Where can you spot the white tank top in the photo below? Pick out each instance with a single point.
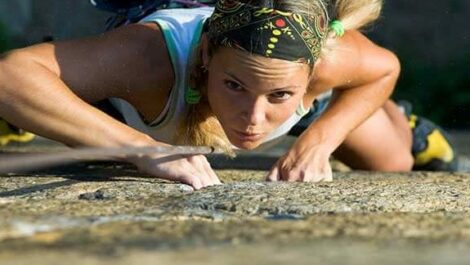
(182, 29)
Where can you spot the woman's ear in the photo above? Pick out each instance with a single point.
(205, 50)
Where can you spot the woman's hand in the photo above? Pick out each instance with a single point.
(193, 170)
(303, 163)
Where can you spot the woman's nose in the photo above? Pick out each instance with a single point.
(255, 113)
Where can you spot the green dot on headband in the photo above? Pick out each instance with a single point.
(337, 27)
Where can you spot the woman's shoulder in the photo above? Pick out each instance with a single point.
(130, 62)
(130, 58)
(146, 75)
(351, 60)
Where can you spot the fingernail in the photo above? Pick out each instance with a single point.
(272, 179)
(187, 188)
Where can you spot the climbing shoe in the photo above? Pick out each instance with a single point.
(432, 150)
(10, 133)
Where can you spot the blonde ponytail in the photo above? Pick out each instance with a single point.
(353, 15)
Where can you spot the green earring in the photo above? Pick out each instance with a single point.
(192, 96)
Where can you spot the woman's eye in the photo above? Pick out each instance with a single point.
(282, 95)
(233, 86)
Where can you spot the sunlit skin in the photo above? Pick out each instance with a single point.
(247, 93)
(253, 95)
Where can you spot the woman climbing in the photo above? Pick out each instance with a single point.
(238, 75)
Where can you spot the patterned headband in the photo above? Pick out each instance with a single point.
(269, 32)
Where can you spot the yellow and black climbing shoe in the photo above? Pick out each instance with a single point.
(10, 133)
(432, 150)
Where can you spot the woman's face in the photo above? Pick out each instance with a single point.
(253, 95)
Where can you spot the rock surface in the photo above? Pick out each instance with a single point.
(107, 213)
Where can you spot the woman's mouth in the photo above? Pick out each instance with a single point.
(244, 136)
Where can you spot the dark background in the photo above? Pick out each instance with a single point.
(431, 39)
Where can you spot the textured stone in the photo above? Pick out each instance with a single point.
(107, 213)
(108, 210)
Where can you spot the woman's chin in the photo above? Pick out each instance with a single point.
(243, 141)
(246, 145)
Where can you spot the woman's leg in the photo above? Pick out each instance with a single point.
(383, 142)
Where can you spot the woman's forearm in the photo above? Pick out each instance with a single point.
(348, 109)
(36, 99)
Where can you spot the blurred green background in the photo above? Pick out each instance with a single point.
(5, 42)
(431, 39)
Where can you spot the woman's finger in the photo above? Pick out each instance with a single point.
(328, 175)
(210, 171)
(324, 174)
(193, 181)
(273, 175)
(197, 164)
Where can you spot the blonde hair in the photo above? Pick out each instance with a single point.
(356, 14)
(201, 127)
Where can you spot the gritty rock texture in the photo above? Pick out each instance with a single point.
(107, 213)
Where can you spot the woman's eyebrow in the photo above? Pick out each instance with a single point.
(234, 77)
(285, 88)
(274, 90)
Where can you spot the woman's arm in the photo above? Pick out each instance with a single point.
(363, 76)
(46, 88)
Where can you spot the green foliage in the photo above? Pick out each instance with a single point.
(438, 92)
(5, 43)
